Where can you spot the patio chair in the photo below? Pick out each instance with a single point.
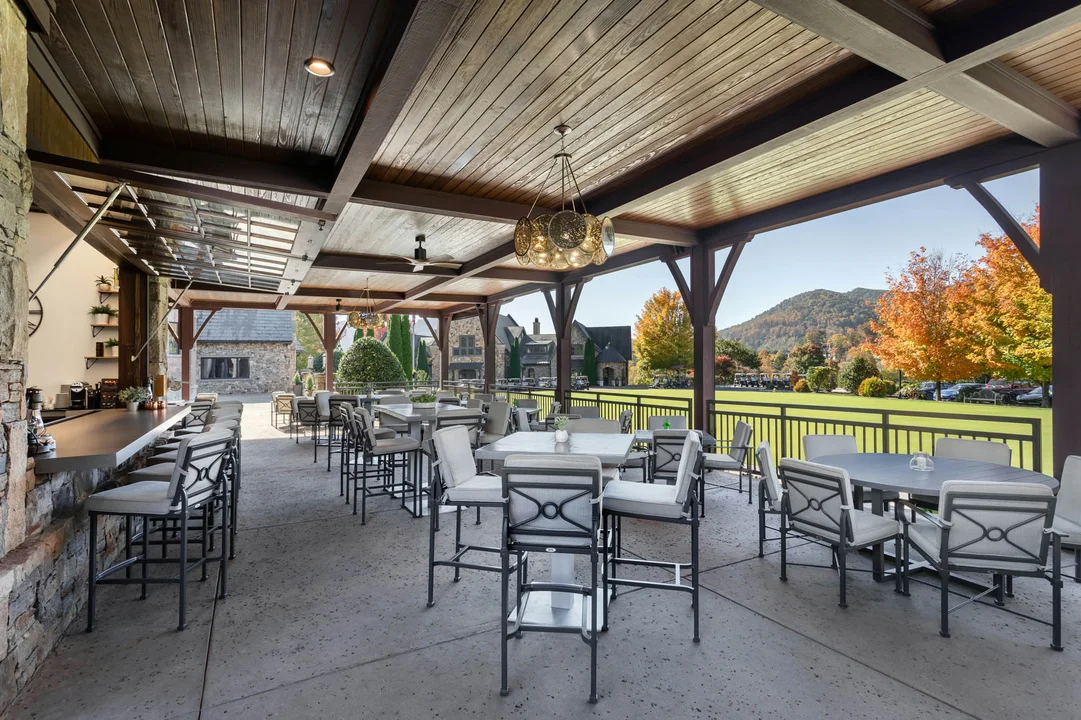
(352, 446)
(457, 483)
(815, 446)
(588, 412)
(593, 425)
(675, 422)
(390, 455)
(496, 423)
(817, 503)
(402, 428)
(546, 423)
(195, 483)
(1001, 528)
(281, 407)
(306, 415)
(474, 404)
(484, 397)
(521, 420)
(528, 403)
(335, 424)
(1068, 510)
(552, 505)
(736, 459)
(639, 456)
(661, 503)
(769, 493)
(987, 451)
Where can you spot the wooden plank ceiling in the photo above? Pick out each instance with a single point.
(687, 116)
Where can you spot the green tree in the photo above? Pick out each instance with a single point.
(422, 360)
(822, 379)
(589, 361)
(804, 357)
(370, 361)
(663, 336)
(370, 333)
(856, 370)
(319, 365)
(815, 337)
(739, 353)
(393, 338)
(514, 363)
(405, 345)
(308, 340)
(724, 369)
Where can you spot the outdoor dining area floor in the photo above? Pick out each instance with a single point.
(327, 619)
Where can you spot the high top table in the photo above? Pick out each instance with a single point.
(556, 608)
(889, 472)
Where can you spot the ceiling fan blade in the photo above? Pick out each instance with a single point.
(442, 258)
(418, 266)
(445, 264)
(399, 259)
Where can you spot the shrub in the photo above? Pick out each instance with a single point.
(891, 386)
(319, 365)
(873, 387)
(309, 384)
(370, 361)
(801, 386)
(822, 379)
(296, 378)
(856, 370)
(910, 391)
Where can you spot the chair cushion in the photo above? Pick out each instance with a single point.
(487, 438)
(165, 457)
(609, 474)
(648, 499)
(395, 445)
(928, 537)
(721, 461)
(162, 471)
(141, 498)
(636, 458)
(385, 433)
(867, 529)
(479, 488)
(1070, 530)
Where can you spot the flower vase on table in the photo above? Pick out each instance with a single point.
(562, 435)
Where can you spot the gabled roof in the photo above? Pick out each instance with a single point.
(616, 337)
(610, 355)
(237, 325)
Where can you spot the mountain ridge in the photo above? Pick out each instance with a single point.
(785, 324)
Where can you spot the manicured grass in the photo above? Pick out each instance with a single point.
(819, 405)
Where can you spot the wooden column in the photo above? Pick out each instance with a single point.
(441, 335)
(1060, 241)
(330, 341)
(562, 308)
(489, 319)
(186, 340)
(702, 296)
(132, 332)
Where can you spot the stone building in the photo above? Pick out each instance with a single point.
(243, 351)
(538, 350)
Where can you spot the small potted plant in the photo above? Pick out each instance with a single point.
(105, 284)
(562, 435)
(99, 314)
(309, 385)
(424, 401)
(298, 388)
(112, 347)
(111, 315)
(132, 396)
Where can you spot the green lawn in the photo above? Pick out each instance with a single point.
(819, 405)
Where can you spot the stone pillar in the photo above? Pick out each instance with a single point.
(157, 351)
(133, 367)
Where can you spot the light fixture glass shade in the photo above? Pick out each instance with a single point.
(567, 229)
(608, 236)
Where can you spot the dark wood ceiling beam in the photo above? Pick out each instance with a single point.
(900, 39)
(839, 94)
(985, 161)
(357, 294)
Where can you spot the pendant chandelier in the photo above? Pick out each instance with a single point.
(568, 238)
(366, 317)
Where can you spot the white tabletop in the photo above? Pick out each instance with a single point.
(611, 448)
(646, 437)
(413, 414)
(890, 472)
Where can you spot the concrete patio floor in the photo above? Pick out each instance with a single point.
(326, 618)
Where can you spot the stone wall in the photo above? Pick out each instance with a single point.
(471, 326)
(271, 367)
(157, 350)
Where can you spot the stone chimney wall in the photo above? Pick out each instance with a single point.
(536, 326)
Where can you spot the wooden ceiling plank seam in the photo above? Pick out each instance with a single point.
(253, 33)
(446, 72)
(596, 84)
(155, 45)
(589, 20)
(68, 66)
(328, 38)
(705, 57)
(350, 65)
(642, 18)
(498, 36)
(307, 17)
(279, 39)
(202, 34)
(535, 29)
(229, 45)
(174, 22)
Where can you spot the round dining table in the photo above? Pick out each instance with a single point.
(882, 473)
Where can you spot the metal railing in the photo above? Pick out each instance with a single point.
(612, 404)
(354, 388)
(883, 431)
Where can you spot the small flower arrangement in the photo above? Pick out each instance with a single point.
(424, 399)
(561, 422)
(105, 284)
(133, 394)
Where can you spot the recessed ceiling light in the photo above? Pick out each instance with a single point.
(319, 67)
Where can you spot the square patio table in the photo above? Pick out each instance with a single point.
(645, 437)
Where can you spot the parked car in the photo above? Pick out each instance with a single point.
(579, 382)
(1035, 397)
(953, 392)
(926, 389)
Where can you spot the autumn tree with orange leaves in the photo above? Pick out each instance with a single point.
(918, 326)
(663, 335)
(1009, 321)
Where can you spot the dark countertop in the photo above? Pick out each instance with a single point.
(104, 438)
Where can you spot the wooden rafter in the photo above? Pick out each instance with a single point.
(1021, 239)
(202, 326)
(315, 327)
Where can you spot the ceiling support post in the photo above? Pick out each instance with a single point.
(186, 341)
(330, 340)
(562, 308)
(489, 320)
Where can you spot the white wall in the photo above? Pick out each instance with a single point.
(58, 347)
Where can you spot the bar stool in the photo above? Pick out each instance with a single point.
(352, 447)
(390, 454)
(196, 482)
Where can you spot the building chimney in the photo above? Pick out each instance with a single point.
(536, 326)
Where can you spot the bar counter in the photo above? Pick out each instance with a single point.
(104, 439)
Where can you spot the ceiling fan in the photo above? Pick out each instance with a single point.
(420, 259)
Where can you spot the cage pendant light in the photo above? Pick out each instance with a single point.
(568, 238)
(366, 317)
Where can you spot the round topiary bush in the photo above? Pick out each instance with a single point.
(856, 370)
(801, 386)
(873, 387)
(370, 361)
(822, 379)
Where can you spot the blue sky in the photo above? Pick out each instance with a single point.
(840, 252)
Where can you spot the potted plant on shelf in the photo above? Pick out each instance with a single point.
(562, 435)
(105, 284)
(112, 347)
(424, 401)
(111, 314)
(99, 314)
(132, 396)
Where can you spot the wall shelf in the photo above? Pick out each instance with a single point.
(91, 359)
(103, 296)
(96, 328)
